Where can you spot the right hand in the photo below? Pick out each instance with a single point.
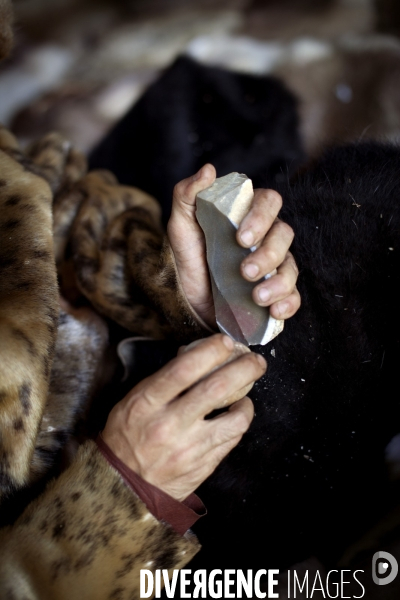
(158, 430)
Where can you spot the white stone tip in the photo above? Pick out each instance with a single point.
(232, 194)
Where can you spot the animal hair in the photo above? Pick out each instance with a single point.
(309, 475)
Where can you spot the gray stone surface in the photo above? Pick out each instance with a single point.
(220, 209)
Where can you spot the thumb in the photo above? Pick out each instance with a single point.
(184, 196)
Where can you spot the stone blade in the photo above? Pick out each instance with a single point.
(220, 208)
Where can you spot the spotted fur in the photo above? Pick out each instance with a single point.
(36, 420)
(108, 245)
(109, 217)
(88, 526)
(51, 158)
(87, 536)
(28, 311)
(153, 268)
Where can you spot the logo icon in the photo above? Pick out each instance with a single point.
(384, 568)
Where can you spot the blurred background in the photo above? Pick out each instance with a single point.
(78, 65)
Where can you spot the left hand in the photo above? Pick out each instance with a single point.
(260, 228)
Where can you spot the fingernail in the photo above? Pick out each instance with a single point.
(247, 237)
(264, 294)
(262, 361)
(198, 175)
(251, 270)
(282, 308)
(228, 342)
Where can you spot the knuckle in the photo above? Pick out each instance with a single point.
(250, 367)
(290, 259)
(286, 230)
(179, 190)
(286, 286)
(293, 304)
(181, 369)
(297, 299)
(271, 257)
(274, 199)
(240, 422)
(218, 347)
(259, 366)
(216, 386)
(216, 340)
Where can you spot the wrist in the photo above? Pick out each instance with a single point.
(181, 516)
(120, 447)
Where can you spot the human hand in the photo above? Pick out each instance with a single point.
(260, 228)
(158, 430)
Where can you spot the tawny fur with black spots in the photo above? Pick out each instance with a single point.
(28, 311)
(107, 249)
(36, 420)
(110, 247)
(87, 536)
(87, 527)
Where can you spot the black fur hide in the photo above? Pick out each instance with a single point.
(195, 114)
(309, 477)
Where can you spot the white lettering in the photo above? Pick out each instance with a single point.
(158, 584)
(228, 583)
(243, 585)
(184, 583)
(343, 583)
(317, 589)
(215, 591)
(336, 585)
(359, 583)
(305, 583)
(200, 579)
(150, 583)
(257, 578)
(170, 587)
(272, 583)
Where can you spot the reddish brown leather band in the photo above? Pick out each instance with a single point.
(179, 515)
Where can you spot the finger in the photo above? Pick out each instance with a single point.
(286, 308)
(230, 425)
(239, 350)
(185, 234)
(217, 437)
(212, 459)
(215, 390)
(264, 210)
(185, 370)
(271, 253)
(279, 286)
(184, 195)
